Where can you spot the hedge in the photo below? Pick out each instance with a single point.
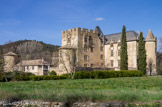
(33, 78)
(107, 74)
(78, 75)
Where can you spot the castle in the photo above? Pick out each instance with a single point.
(85, 48)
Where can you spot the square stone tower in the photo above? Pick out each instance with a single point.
(89, 45)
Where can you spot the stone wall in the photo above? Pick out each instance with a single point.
(29, 103)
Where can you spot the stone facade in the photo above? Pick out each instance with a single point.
(9, 61)
(30, 103)
(89, 46)
(95, 50)
(83, 48)
(151, 46)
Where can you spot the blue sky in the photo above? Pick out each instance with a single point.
(43, 20)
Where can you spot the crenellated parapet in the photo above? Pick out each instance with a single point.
(79, 30)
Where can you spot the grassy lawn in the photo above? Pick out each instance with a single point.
(113, 89)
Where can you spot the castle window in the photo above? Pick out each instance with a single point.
(68, 41)
(85, 65)
(91, 49)
(102, 64)
(85, 39)
(101, 56)
(119, 52)
(112, 53)
(85, 57)
(101, 41)
(118, 63)
(101, 48)
(90, 41)
(85, 48)
(112, 63)
(111, 44)
(91, 65)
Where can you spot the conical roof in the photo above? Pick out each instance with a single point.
(150, 36)
(10, 54)
(98, 30)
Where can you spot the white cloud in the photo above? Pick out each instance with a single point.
(99, 18)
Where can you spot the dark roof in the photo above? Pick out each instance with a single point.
(98, 30)
(131, 36)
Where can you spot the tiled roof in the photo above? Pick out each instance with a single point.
(131, 36)
(33, 62)
(10, 54)
(98, 30)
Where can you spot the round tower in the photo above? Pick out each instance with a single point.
(67, 59)
(9, 61)
(151, 46)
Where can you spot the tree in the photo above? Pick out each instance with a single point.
(160, 44)
(141, 54)
(68, 60)
(29, 49)
(159, 57)
(123, 55)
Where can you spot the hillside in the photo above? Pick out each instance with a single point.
(13, 46)
(29, 49)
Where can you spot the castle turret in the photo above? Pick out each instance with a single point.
(150, 45)
(9, 61)
(67, 61)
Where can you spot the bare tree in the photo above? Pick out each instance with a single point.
(68, 60)
(8, 42)
(160, 44)
(28, 49)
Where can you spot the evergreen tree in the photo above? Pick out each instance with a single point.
(123, 55)
(141, 54)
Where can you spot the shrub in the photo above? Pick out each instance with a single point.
(78, 75)
(107, 74)
(52, 73)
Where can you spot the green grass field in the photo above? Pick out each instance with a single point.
(130, 89)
